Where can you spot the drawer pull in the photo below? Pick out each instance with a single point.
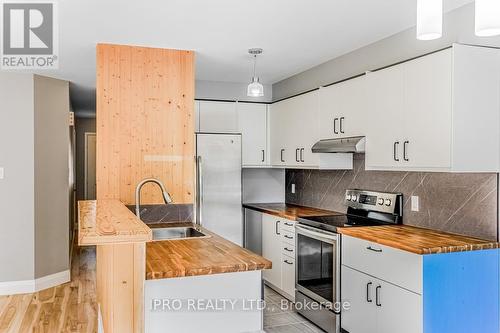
(287, 249)
(368, 299)
(289, 224)
(290, 237)
(377, 296)
(373, 249)
(277, 228)
(288, 262)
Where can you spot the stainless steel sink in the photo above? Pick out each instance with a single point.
(176, 233)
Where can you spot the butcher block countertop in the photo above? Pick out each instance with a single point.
(109, 222)
(198, 256)
(418, 240)
(287, 211)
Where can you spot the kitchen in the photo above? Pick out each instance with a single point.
(353, 192)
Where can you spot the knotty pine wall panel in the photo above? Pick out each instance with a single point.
(145, 122)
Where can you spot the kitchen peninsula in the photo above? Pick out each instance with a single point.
(208, 268)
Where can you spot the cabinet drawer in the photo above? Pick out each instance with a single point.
(288, 237)
(288, 249)
(287, 225)
(401, 268)
(288, 275)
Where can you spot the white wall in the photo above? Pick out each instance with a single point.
(263, 185)
(17, 188)
(234, 91)
(458, 26)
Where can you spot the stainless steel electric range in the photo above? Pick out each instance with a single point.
(317, 272)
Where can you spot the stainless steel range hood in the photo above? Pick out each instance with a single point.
(354, 144)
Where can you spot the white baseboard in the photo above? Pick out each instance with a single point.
(31, 286)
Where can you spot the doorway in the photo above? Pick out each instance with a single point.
(90, 166)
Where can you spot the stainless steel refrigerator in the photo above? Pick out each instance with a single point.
(218, 186)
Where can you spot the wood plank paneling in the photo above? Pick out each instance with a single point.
(145, 122)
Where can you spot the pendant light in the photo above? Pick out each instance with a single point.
(255, 88)
(430, 19)
(487, 18)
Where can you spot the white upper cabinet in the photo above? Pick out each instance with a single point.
(343, 109)
(439, 112)
(217, 117)
(252, 123)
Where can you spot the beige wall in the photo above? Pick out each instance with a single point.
(17, 188)
(51, 175)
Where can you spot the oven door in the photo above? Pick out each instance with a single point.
(317, 268)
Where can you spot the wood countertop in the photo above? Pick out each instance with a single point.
(109, 221)
(418, 240)
(287, 211)
(198, 256)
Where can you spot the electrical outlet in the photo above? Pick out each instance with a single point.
(414, 203)
(1, 173)
(293, 188)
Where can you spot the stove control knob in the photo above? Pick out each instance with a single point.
(348, 197)
(354, 197)
(388, 202)
(381, 201)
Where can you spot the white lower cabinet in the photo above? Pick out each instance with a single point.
(278, 246)
(377, 306)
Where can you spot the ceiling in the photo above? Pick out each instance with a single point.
(295, 35)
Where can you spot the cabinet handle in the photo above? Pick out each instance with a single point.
(405, 150)
(289, 224)
(263, 155)
(396, 144)
(281, 155)
(297, 155)
(302, 154)
(335, 125)
(374, 250)
(377, 296)
(342, 124)
(277, 228)
(368, 299)
(287, 249)
(289, 237)
(287, 262)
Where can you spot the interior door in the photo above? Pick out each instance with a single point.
(271, 249)
(359, 290)
(219, 178)
(386, 95)
(90, 166)
(252, 123)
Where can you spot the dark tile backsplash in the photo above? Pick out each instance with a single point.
(464, 203)
(165, 213)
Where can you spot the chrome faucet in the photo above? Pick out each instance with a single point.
(166, 196)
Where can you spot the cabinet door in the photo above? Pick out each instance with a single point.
(271, 249)
(252, 123)
(218, 117)
(384, 143)
(282, 151)
(305, 129)
(288, 275)
(359, 290)
(398, 309)
(196, 116)
(343, 109)
(427, 112)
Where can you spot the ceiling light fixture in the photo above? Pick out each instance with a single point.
(487, 18)
(430, 19)
(255, 88)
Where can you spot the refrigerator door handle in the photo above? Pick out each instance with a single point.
(199, 167)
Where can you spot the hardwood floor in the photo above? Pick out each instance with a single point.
(70, 307)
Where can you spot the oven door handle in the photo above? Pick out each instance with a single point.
(313, 232)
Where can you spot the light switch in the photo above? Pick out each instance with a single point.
(1, 173)
(293, 188)
(414, 203)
